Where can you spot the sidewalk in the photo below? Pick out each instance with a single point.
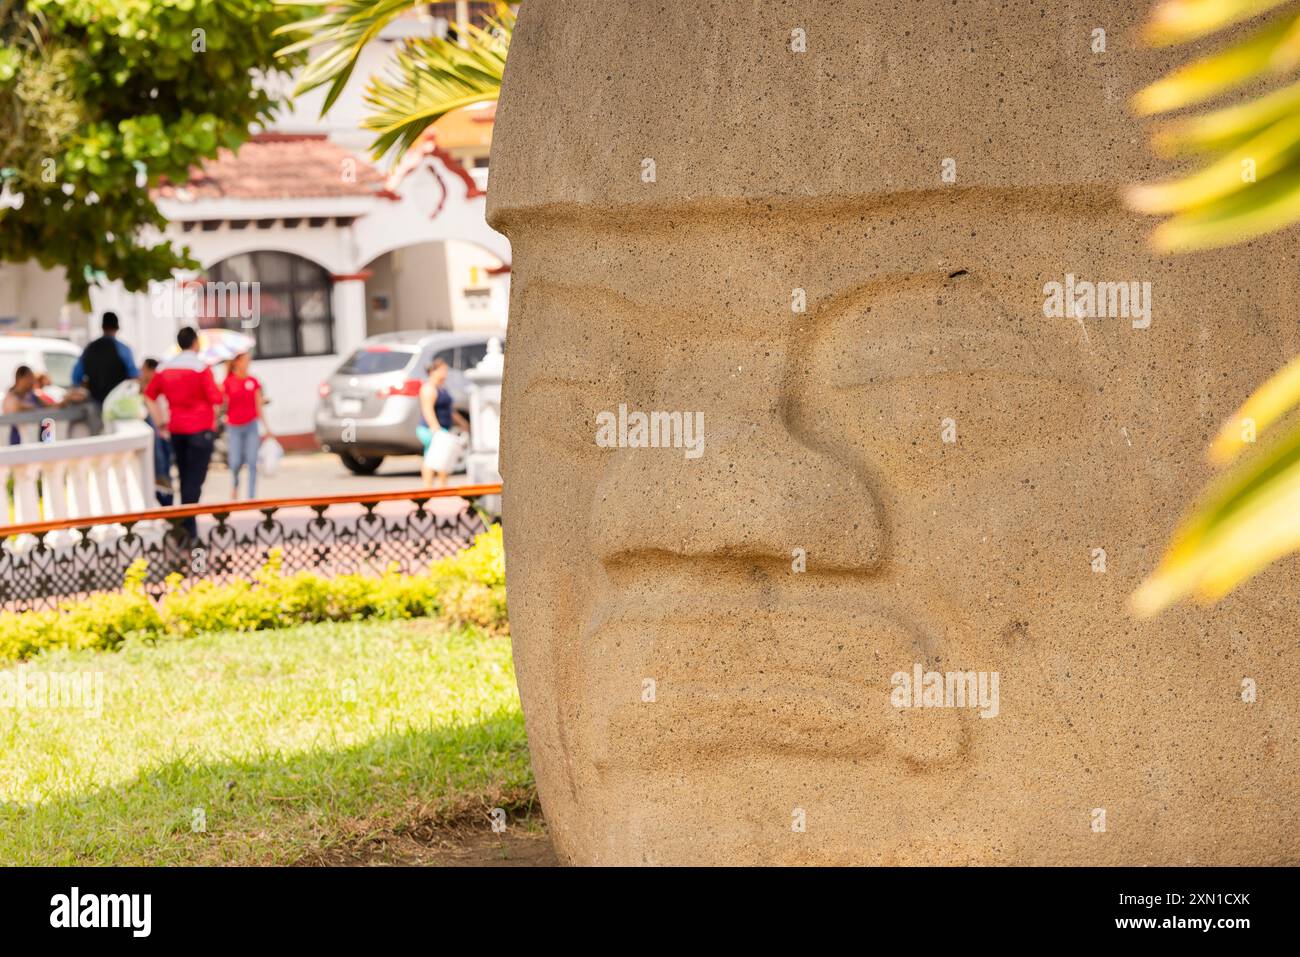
(317, 473)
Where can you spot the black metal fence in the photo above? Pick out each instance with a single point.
(43, 566)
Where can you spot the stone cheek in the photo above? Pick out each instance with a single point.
(908, 464)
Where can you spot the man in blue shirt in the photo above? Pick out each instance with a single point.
(105, 363)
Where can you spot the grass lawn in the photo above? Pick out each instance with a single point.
(292, 742)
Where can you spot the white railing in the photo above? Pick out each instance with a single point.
(79, 478)
(63, 422)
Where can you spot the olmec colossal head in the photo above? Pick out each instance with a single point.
(849, 263)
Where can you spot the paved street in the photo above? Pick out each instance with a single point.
(316, 473)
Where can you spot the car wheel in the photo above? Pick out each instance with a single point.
(361, 464)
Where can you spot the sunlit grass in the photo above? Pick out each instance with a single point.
(289, 741)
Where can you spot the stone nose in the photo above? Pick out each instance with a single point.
(755, 490)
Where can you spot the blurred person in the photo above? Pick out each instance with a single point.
(436, 411)
(147, 369)
(43, 388)
(192, 397)
(22, 397)
(104, 363)
(244, 403)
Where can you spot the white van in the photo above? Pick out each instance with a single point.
(55, 357)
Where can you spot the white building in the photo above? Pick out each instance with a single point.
(337, 254)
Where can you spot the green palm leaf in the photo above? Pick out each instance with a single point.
(1250, 518)
(1226, 128)
(1269, 152)
(1263, 208)
(343, 29)
(430, 77)
(433, 77)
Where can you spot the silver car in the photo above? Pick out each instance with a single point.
(370, 406)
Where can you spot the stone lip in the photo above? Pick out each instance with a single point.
(1011, 91)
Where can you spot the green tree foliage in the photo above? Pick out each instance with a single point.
(99, 100)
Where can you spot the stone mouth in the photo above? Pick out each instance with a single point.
(683, 671)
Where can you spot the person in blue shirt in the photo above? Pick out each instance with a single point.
(105, 363)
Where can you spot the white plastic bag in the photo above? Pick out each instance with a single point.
(268, 456)
(444, 451)
(124, 402)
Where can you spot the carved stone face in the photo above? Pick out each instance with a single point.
(919, 472)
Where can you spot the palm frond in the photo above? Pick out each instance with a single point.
(1270, 402)
(1181, 21)
(432, 77)
(1226, 128)
(1249, 519)
(343, 29)
(1271, 151)
(1249, 186)
(1218, 73)
(1270, 205)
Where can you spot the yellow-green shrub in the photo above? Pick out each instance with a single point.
(468, 588)
(474, 583)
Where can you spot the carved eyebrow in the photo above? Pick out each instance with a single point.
(1051, 355)
(970, 351)
(845, 300)
(556, 367)
(584, 297)
(550, 382)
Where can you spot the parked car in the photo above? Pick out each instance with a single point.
(375, 393)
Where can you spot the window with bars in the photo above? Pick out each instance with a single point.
(294, 301)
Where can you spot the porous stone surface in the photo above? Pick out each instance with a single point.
(921, 470)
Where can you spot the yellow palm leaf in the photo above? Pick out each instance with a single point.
(1215, 74)
(1274, 399)
(1245, 521)
(1267, 153)
(1180, 21)
(1226, 128)
(1267, 206)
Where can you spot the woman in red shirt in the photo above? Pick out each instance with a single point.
(243, 413)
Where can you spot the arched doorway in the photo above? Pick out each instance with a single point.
(441, 284)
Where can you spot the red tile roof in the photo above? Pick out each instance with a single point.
(279, 166)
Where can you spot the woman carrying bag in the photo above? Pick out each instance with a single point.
(437, 417)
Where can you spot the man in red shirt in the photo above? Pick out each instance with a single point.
(192, 397)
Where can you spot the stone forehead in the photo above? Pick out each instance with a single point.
(1012, 92)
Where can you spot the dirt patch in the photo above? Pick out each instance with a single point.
(518, 846)
(460, 838)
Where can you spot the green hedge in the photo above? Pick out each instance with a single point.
(468, 588)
